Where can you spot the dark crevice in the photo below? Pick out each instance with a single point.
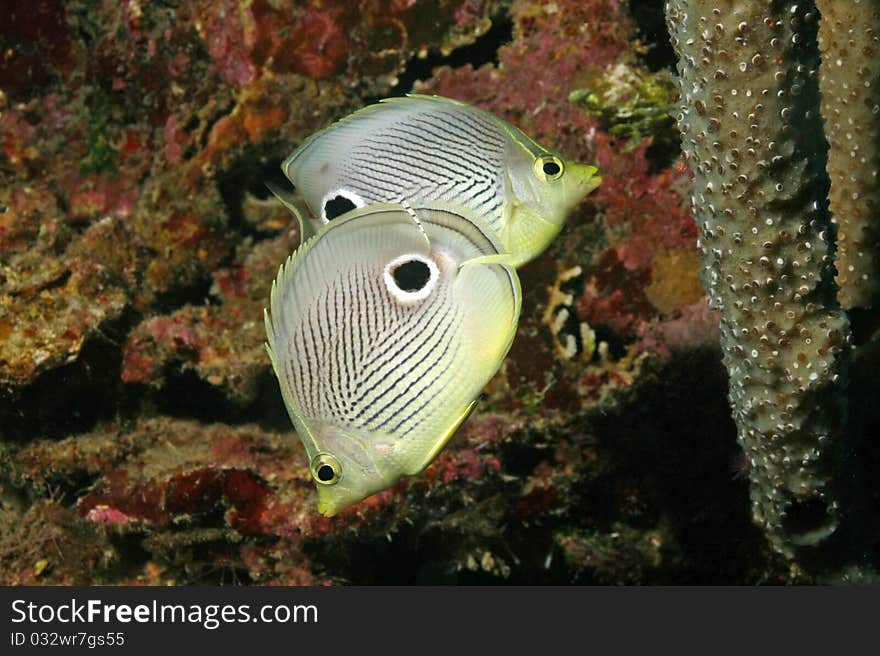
(482, 51)
(864, 324)
(269, 172)
(521, 459)
(71, 398)
(616, 343)
(197, 293)
(652, 33)
(249, 175)
(663, 151)
(806, 517)
(187, 396)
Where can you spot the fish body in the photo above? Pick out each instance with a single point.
(433, 149)
(384, 328)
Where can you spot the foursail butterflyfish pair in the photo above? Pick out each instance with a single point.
(403, 299)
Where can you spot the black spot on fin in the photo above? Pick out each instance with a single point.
(412, 276)
(337, 206)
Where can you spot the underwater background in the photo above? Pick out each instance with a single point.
(144, 439)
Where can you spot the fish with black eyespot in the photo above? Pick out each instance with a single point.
(438, 150)
(383, 330)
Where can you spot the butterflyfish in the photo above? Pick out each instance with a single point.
(382, 330)
(433, 149)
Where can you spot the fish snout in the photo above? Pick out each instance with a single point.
(358, 468)
(585, 175)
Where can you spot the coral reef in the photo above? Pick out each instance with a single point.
(849, 41)
(221, 343)
(50, 545)
(142, 435)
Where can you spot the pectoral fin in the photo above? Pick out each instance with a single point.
(506, 259)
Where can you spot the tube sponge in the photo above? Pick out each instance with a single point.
(752, 136)
(849, 40)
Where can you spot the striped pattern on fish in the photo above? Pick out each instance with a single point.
(382, 333)
(428, 149)
(430, 157)
(366, 361)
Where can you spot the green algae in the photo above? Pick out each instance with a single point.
(630, 104)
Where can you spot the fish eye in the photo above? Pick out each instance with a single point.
(549, 167)
(325, 469)
(411, 277)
